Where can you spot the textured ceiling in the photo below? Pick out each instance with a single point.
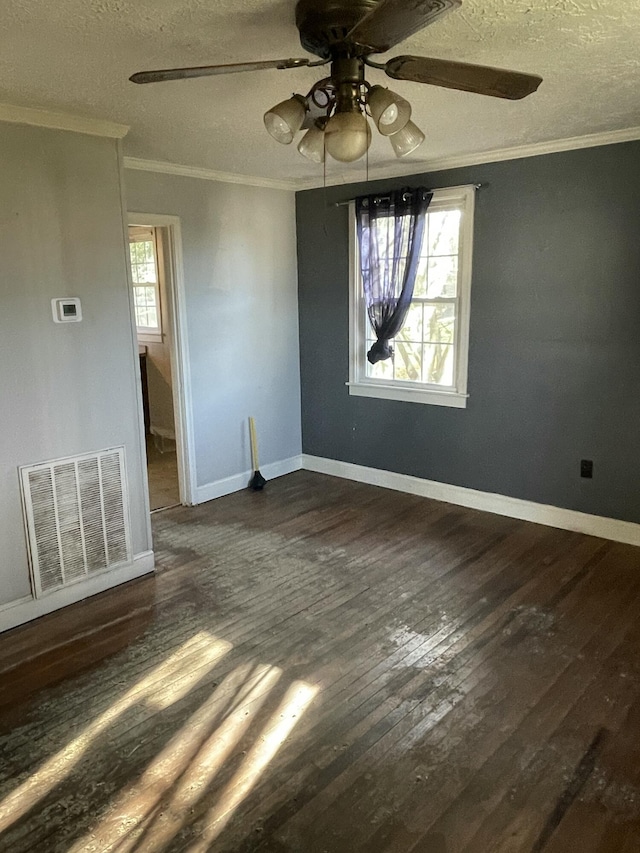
(76, 56)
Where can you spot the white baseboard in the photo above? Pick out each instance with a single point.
(26, 609)
(237, 482)
(552, 516)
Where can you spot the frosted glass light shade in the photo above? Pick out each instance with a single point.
(311, 145)
(389, 111)
(406, 140)
(285, 119)
(347, 136)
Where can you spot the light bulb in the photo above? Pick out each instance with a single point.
(389, 116)
(347, 136)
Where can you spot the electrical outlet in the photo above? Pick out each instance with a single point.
(586, 468)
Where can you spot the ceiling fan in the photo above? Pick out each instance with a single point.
(346, 33)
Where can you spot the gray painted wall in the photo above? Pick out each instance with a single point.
(242, 315)
(554, 369)
(62, 235)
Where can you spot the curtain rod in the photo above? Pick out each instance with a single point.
(382, 196)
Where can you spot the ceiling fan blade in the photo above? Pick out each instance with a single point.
(392, 21)
(481, 79)
(210, 70)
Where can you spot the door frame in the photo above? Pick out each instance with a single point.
(178, 348)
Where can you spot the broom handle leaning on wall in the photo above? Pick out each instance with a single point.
(254, 444)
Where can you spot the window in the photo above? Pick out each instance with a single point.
(143, 249)
(429, 364)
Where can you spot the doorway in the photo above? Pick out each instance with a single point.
(154, 249)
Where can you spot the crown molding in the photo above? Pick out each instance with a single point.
(166, 168)
(396, 170)
(517, 152)
(61, 121)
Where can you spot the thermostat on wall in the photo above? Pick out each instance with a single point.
(66, 310)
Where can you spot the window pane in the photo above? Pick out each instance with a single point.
(146, 273)
(152, 318)
(438, 361)
(146, 317)
(439, 323)
(145, 296)
(444, 233)
(412, 329)
(383, 234)
(146, 306)
(437, 278)
(134, 251)
(141, 316)
(380, 370)
(407, 362)
(420, 285)
(442, 277)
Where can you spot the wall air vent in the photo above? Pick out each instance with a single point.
(77, 518)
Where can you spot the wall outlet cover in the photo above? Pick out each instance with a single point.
(586, 468)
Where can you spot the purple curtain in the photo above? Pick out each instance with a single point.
(390, 234)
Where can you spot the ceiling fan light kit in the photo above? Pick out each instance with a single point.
(347, 100)
(346, 33)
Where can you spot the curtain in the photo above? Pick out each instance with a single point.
(390, 233)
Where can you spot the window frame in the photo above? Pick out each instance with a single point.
(460, 198)
(149, 334)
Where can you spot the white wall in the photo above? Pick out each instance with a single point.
(64, 389)
(242, 316)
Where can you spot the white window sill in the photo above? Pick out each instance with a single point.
(409, 395)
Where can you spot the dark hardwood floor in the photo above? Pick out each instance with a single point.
(328, 666)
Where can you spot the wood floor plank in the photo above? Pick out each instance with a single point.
(349, 802)
(459, 673)
(330, 666)
(375, 708)
(529, 756)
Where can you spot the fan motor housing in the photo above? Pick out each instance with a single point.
(324, 25)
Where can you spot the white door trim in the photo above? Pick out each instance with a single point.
(178, 343)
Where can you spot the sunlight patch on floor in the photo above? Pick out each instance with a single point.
(132, 821)
(274, 734)
(165, 684)
(202, 770)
